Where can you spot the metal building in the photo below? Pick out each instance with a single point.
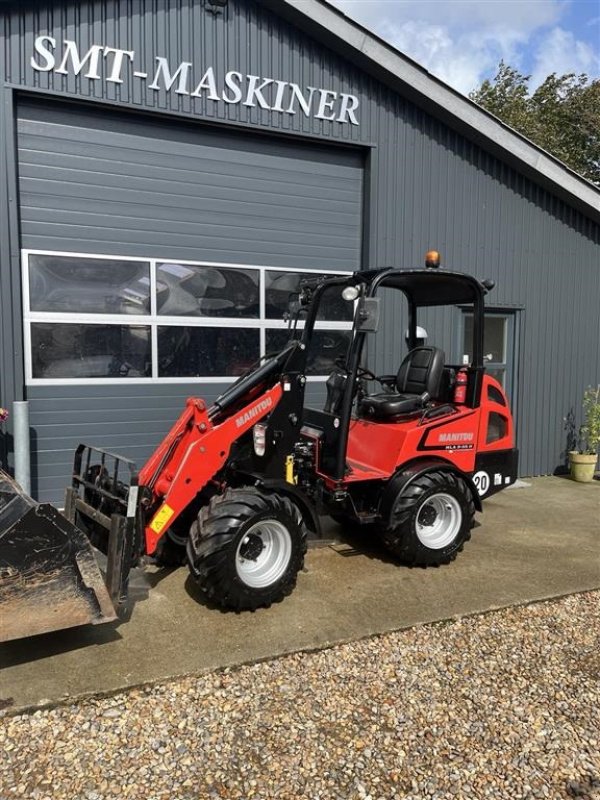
(171, 167)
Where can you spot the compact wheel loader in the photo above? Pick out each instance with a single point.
(236, 487)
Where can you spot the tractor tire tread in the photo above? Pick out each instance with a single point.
(211, 538)
(394, 535)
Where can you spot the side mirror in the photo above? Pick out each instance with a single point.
(367, 315)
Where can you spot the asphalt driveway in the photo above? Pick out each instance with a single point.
(532, 543)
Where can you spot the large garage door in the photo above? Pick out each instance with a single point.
(99, 183)
(163, 253)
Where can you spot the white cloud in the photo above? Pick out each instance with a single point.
(461, 60)
(463, 41)
(561, 52)
(524, 15)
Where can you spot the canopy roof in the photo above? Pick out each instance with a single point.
(427, 287)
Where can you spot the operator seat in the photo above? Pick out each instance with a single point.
(419, 379)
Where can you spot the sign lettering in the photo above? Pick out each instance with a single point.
(253, 412)
(456, 437)
(111, 64)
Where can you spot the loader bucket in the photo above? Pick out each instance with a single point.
(49, 578)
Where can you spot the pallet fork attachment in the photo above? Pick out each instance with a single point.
(103, 501)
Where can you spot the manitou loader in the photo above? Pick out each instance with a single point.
(237, 486)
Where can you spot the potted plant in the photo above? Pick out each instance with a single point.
(583, 460)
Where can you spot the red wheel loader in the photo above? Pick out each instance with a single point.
(235, 487)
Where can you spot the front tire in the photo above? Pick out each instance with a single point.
(246, 548)
(430, 520)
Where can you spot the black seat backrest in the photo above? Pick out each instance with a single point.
(421, 371)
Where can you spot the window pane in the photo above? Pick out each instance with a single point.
(62, 350)
(206, 291)
(88, 285)
(493, 338)
(281, 286)
(206, 352)
(325, 348)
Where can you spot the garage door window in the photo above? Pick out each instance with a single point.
(187, 290)
(114, 318)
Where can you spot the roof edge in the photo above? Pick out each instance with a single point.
(373, 54)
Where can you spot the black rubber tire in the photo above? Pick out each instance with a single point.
(400, 534)
(217, 533)
(170, 551)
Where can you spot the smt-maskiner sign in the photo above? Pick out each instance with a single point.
(233, 88)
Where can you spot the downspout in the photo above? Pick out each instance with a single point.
(22, 444)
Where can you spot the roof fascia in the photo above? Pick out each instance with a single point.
(366, 51)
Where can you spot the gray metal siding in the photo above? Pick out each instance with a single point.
(428, 185)
(99, 182)
(244, 37)
(105, 183)
(130, 420)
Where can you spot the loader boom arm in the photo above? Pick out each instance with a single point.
(192, 453)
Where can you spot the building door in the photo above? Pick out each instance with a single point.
(158, 258)
(499, 347)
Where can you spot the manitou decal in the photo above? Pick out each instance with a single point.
(111, 64)
(447, 440)
(253, 412)
(458, 438)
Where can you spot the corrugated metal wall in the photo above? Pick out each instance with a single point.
(118, 184)
(114, 185)
(429, 186)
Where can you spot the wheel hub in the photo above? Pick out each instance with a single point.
(263, 554)
(428, 515)
(439, 519)
(252, 547)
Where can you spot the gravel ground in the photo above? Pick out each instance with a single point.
(505, 705)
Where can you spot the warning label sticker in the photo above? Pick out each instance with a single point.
(161, 518)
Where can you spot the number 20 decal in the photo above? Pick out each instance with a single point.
(482, 482)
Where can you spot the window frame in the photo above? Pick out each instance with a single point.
(154, 320)
(510, 344)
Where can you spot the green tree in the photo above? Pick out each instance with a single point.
(562, 115)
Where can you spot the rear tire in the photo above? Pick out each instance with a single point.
(246, 548)
(431, 520)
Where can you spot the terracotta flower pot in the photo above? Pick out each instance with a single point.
(583, 466)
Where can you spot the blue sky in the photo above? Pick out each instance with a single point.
(462, 41)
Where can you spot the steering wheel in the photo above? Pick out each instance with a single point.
(366, 373)
(361, 374)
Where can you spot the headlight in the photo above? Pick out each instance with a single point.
(259, 433)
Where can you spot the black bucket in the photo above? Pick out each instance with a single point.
(49, 578)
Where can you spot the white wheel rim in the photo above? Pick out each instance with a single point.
(438, 521)
(263, 554)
